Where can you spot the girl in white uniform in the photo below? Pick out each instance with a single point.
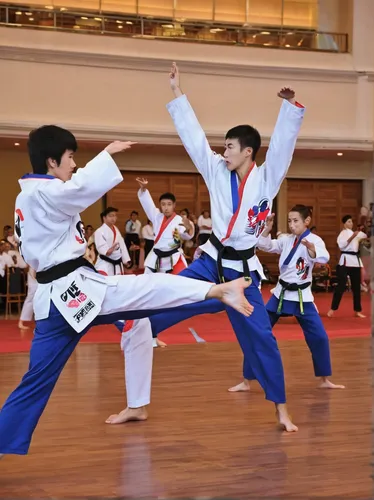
(293, 296)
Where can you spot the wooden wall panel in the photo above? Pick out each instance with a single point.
(330, 200)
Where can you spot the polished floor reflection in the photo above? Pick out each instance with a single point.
(200, 440)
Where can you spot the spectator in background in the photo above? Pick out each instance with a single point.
(204, 223)
(9, 236)
(132, 238)
(148, 237)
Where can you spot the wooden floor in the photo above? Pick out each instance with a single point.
(200, 440)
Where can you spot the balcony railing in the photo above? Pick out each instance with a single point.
(172, 29)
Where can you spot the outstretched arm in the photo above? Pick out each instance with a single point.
(190, 131)
(283, 141)
(89, 184)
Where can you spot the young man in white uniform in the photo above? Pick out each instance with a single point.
(71, 297)
(241, 195)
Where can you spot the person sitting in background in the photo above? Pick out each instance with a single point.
(148, 237)
(204, 223)
(9, 237)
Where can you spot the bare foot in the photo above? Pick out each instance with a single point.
(21, 326)
(284, 419)
(360, 315)
(160, 343)
(330, 314)
(232, 294)
(242, 387)
(138, 414)
(326, 384)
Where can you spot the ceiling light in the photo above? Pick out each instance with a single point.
(97, 18)
(265, 33)
(28, 13)
(18, 13)
(50, 7)
(120, 27)
(129, 22)
(288, 45)
(84, 18)
(171, 26)
(31, 18)
(62, 9)
(339, 154)
(16, 143)
(119, 22)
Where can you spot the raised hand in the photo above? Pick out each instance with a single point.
(174, 76)
(143, 183)
(287, 94)
(186, 222)
(270, 221)
(118, 146)
(310, 246)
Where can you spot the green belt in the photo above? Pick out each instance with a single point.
(292, 287)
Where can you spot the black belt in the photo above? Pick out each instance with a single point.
(292, 287)
(117, 262)
(353, 253)
(62, 270)
(161, 254)
(230, 253)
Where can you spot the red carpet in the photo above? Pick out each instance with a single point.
(214, 328)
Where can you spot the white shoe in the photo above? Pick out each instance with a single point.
(155, 342)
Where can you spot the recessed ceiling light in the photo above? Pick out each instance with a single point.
(97, 18)
(339, 154)
(18, 13)
(84, 18)
(50, 7)
(16, 143)
(129, 22)
(265, 33)
(119, 22)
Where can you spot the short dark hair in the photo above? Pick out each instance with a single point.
(248, 137)
(167, 196)
(345, 218)
(134, 212)
(107, 211)
(303, 210)
(46, 142)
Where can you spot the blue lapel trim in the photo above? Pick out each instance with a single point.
(293, 251)
(37, 176)
(234, 191)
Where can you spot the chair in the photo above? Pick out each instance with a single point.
(15, 289)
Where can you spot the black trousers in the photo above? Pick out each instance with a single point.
(148, 245)
(342, 272)
(129, 239)
(202, 239)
